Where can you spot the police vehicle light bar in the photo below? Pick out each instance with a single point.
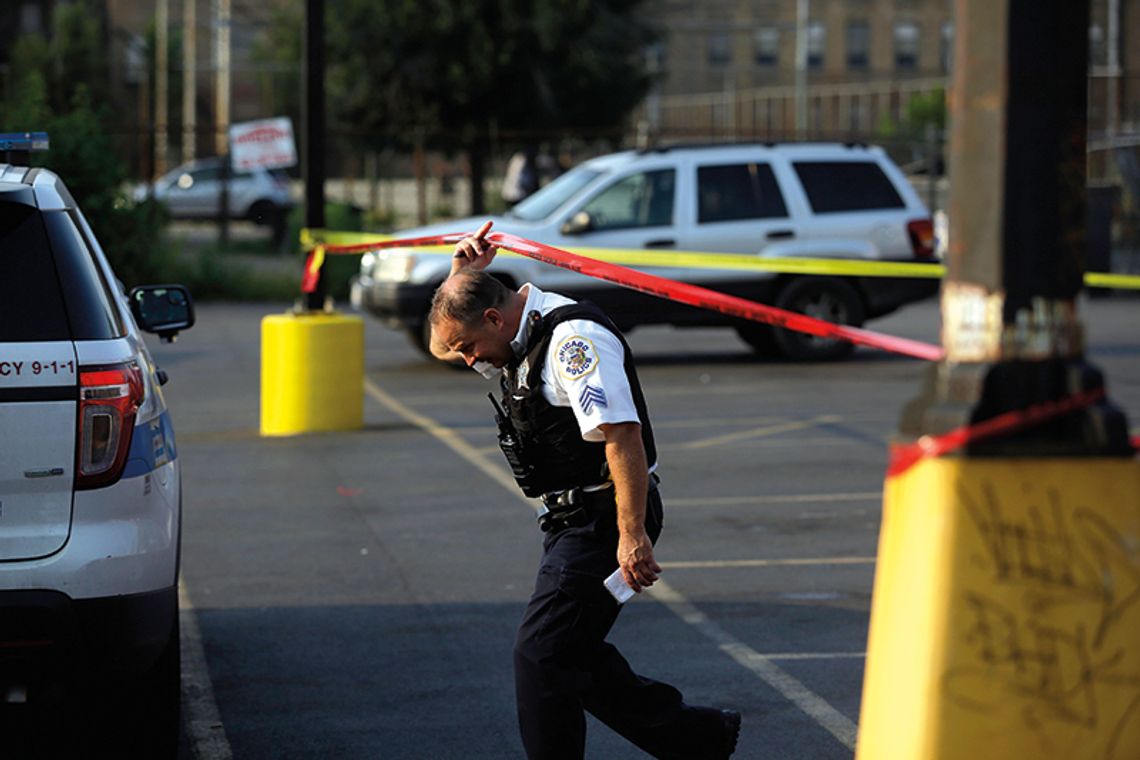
(25, 141)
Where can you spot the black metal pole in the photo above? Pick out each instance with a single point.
(1017, 239)
(313, 125)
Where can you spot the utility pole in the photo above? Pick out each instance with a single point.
(313, 126)
(189, 79)
(999, 627)
(802, 15)
(161, 80)
(222, 114)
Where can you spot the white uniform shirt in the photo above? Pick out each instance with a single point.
(584, 367)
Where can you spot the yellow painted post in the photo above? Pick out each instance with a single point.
(1006, 622)
(312, 373)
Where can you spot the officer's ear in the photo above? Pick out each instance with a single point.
(493, 317)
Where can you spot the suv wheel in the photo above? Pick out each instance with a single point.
(761, 337)
(825, 298)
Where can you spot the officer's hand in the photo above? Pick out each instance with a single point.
(473, 251)
(635, 557)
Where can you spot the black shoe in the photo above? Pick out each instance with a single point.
(730, 722)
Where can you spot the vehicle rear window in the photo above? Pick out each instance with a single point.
(89, 308)
(837, 186)
(738, 191)
(31, 306)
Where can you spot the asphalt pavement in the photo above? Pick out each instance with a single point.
(355, 595)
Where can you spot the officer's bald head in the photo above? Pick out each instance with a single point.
(466, 295)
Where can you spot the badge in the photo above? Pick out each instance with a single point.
(576, 357)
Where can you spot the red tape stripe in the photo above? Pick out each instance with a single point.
(681, 292)
(905, 456)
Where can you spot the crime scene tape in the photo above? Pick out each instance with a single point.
(905, 456)
(360, 242)
(681, 292)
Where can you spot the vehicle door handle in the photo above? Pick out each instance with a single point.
(660, 243)
(780, 234)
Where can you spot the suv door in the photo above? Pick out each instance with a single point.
(634, 211)
(740, 208)
(38, 391)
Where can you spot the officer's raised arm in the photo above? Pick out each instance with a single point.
(474, 250)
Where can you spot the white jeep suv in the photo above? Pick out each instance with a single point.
(90, 492)
(818, 200)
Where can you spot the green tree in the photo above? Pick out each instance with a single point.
(448, 75)
(56, 88)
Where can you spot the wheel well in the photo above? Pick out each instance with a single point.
(854, 283)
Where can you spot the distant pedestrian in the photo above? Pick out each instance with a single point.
(521, 178)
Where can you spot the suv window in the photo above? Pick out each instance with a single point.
(836, 186)
(738, 191)
(31, 307)
(90, 309)
(639, 200)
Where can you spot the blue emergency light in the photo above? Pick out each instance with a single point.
(24, 141)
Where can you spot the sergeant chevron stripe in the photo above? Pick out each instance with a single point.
(591, 396)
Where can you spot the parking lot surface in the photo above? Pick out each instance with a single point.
(355, 595)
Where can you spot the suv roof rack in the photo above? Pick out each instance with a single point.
(744, 144)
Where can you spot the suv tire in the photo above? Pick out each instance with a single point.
(826, 298)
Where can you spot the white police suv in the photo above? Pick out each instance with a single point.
(90, 493)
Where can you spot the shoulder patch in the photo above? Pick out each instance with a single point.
(576, 357)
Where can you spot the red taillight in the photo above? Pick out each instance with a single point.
(109, 397)
(921, 232)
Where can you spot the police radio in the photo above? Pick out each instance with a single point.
(511, 444)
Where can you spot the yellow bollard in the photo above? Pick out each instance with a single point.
(1006, 615)
(312, 373)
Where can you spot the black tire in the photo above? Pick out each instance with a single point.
(265, 213)
(162, 691)
(826, 298)
(761, 337)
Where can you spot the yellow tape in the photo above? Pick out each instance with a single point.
(728, 261)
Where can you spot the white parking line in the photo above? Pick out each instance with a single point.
(760, 432)
(207, 735)
(795, 692)
(790, 498)
(795, 561)
(815, 706)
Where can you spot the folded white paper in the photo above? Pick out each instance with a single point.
(618, 588)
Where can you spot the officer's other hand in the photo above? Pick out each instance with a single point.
(635, 557)
(474, 251)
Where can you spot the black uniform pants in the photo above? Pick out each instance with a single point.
(563, 665)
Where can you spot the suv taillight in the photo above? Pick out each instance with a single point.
(921, 232)
(109, 397)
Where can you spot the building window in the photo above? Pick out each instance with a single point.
(817, 41)
(719, 52)
(1097, 56)
(906, 46)
(767, 42)
(946, 54)
(858, 45)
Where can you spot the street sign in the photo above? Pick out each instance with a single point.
(266, 142)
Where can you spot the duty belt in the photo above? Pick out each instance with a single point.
(572, 508)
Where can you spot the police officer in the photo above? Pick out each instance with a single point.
(574, 427)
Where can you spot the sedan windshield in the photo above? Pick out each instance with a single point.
(543, 203)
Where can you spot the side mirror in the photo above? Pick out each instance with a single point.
(162, 309)
(577, 224)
